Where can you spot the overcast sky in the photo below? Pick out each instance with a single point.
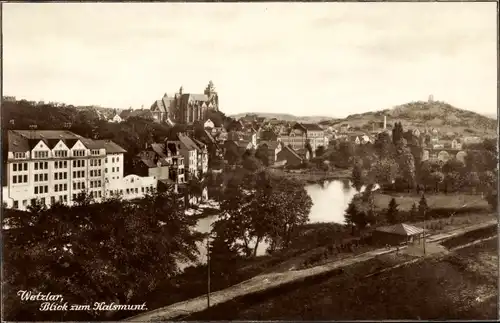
(331, 59)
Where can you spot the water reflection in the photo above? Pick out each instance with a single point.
(330, 200)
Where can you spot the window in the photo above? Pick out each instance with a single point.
(79, 153)
(95, 152)
(60, 153)
(25, 178)
(52, 200)
(112, 169)
(46, 165)
(14, 179)
(42, 200)
(117, 169)
(19, 155)
(45, 177)
(25, 166)
(60, 198)
(14, 167)
(36, 166)
(65, 163)
(56, 188)
(25, 202)
(36, 189)
(65, 187)
(74, 163)
(113, 159)
(16, 205)
(65, 198)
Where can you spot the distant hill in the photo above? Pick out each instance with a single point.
(286, 117)
(423, 114)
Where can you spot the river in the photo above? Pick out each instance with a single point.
(330, 200)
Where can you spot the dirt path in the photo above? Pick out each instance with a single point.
(267, 281)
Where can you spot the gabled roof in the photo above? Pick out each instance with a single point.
(401, 229)
(111, 147)
(311, 127)
(196, 97)
(187, 142)
(270, 144)
(292, 151)
(25, 140)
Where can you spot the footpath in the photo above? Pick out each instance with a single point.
(272, 280)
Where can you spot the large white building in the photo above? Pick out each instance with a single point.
(53, 165)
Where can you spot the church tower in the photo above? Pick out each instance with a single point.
(212, 95)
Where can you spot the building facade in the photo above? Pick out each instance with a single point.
(194, 152)
(56, 166)
(301, 134)
(185, 108)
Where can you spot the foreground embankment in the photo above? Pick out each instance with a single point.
(268, 283)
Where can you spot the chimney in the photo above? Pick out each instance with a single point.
(385, 122)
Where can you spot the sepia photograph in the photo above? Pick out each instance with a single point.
(249, 161)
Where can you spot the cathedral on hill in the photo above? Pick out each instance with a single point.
(185, 108)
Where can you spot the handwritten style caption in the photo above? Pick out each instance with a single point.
(55, 302)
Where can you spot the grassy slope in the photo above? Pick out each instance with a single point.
(435, 288)
(424, 114)
(406, 201)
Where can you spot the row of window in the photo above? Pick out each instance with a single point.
(95, 162)
(17, 179)
(94, 152)
(113, 169)
(60, 175)
(41, 189)
(78, 163)
(79, 186)
(41, 154)
(61, 164)
(95, 194)
(41, 165)
(61, 153)
(95, 172)
(132, 191)
(79, 174)
(18, 167)
(60, 187)
(79, 153)
(61, 198)
(19, 155)
(95, 184)
(41, 177)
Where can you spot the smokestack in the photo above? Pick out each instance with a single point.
(385, 122)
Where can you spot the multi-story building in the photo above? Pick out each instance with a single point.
(53, 165)
(185, 108)
(302, 133)
(163, 162)
(194, 152)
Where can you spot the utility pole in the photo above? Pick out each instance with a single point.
(208, 271)
(424, 230)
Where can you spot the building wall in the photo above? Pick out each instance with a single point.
(132, 186)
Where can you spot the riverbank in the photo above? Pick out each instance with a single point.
(259, 283)
(313, 176)
(405, 201)
(443, 286)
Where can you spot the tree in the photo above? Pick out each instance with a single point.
(397, 132)
(413, 212)
(384, 172)
(383, 145)
(320, 151)
(472, 180)
(261, 154)
(263, 207)
(354, 217)
(423, 208)
(357, 177)
(406, 166)
(392, 212)
(436, 179)
(111, 252)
